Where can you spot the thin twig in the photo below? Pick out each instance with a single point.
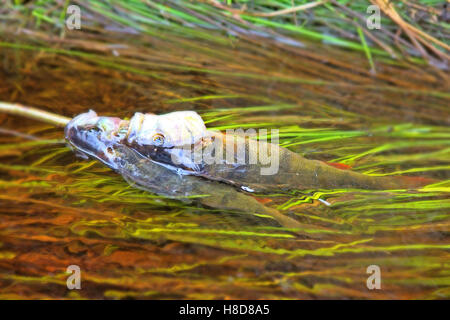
(302, 7)
(33, 113)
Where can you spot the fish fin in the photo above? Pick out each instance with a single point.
(263, 200)
(415, 182)
(338, 165)
(81, 155)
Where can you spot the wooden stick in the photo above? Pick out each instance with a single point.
(33, 113)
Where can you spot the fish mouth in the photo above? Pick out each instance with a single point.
(91, 121)
(73, 128)
(96, 136)
(107, 128)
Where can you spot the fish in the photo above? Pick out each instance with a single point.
(181, 141)
(107, 139)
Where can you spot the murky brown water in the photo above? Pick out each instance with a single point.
(58, 210)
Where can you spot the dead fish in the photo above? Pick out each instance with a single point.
(151, 152)
(181, 141)
(105, 139)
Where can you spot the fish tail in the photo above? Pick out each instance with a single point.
(413, 182)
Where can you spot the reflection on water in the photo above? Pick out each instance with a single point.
(59, 210)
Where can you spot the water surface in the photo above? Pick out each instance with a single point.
(59, 210)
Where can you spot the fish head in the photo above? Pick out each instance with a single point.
(96, 136)
(167, 138)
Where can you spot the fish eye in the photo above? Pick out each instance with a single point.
(158, 139)
(92, 129)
